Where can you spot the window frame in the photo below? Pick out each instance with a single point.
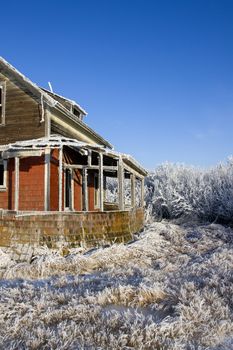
(3, 187)
(3, 102)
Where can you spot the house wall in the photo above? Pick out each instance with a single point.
(31, 185)
(22, 115)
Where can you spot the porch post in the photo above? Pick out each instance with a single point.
(47, 180)
(101, 182)
(89, 157)
(85, 189)
(121, 195)
(142, 192)
(16, 183)
(132, 177)
(60, 179)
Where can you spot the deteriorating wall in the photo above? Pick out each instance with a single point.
(22, 233)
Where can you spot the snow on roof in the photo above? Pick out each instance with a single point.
(72, 102)
(53, 141)
(57, 141)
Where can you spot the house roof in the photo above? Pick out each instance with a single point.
(57, 141)
(72, 102)
(40, 93)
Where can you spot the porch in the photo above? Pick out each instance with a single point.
(76, 176)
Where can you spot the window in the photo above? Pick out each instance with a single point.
(3, 170)
(2, 102)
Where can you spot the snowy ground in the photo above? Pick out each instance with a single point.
(171, 289)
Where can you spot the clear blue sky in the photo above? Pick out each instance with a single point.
(156, 77)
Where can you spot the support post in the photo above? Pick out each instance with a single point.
(101, 182)
(47, 180)
(85, 190)
(142, 193)
(89, 158)
(132, 177)
(72, 188)
(60, 179)
(121, 195)
(16, 183)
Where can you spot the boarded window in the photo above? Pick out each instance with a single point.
(2, 102)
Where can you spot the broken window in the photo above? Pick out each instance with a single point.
(2, 103)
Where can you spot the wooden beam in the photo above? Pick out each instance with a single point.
(60, 179)
(89, 157)
(85, 190)
(101, 182)
(47, 180)
(94, 167)
(22, 154)
(133, 202)
(16, 183)
(133, 171)
(72, 189)
(121, 194)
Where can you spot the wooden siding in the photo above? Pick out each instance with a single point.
(22, 115)
(62, 125)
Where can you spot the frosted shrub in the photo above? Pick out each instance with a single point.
(175, 190)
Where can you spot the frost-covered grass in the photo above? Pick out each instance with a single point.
(171, 289)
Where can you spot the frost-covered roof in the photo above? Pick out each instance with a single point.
(57, 141)
(72, 102)
(53, 141)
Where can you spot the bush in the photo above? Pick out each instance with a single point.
(174, 190)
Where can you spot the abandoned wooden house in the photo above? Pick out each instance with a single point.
(55, 168)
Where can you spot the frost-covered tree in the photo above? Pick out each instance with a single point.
(176, 190)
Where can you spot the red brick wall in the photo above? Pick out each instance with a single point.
(31, 183)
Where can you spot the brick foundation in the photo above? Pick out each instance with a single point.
(67, 230)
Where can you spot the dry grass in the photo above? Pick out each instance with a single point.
(171, 289)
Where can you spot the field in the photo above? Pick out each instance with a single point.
(170, 289)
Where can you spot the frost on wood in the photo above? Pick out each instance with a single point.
(170, 289)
